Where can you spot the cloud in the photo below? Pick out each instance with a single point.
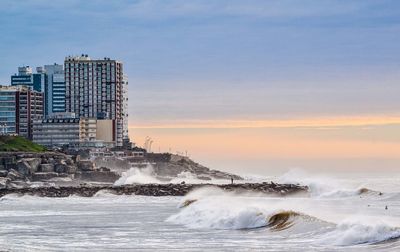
(315, 123)
(165, 9)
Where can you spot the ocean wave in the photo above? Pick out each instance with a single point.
(353, 232)
(216, 209)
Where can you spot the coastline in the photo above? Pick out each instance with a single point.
(152, 189)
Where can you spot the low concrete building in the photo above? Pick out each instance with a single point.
(56, 131)
(65, 129)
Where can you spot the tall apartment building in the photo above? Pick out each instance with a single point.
(25, 77)
(19, 106)
(95, 89)
(55, 89)
(8, 103)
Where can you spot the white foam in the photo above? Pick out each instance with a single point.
(148, 176)
(352, 232)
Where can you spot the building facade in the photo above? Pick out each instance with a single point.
(19, 106)
(56, 131)
(54, 89)
(25, 77)
(8, 104)
(95, 89)
(62, 129)
(29, 107)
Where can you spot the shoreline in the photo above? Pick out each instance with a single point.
(157, 190)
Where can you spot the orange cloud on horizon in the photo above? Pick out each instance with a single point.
(316, 122)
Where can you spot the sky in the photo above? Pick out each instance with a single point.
(252, 86)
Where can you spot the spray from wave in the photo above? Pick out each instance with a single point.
(138, 176)
(325, 187)
(147, 175)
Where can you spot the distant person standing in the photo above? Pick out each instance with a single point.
(232, 180)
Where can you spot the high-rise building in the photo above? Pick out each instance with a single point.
(19, 106)
(95, 89)
(55, 89)
(8, 110)
(125, 133)
(25, 77)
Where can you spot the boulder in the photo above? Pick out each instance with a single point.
(8, 161)
(46, 168)
(69, 162)
(24, 168)
(43, 176)
(3, 173)
(4, 182)
(104, 169)
(60, 168)
(33, 163)
(85, 165)
(14, 175)
(70, 169)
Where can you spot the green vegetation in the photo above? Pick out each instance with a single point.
(17, 143)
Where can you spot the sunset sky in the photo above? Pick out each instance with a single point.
(245, 86)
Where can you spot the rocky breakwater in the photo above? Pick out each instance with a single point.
(153, 189)
(170, 165)
(165, 166)
(18, 169)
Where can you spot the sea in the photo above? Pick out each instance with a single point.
(336, 214)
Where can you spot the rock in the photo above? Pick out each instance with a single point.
(70, 169)
(46, 168)
(97, 176)
(43, 176)
(60, 168)
(69, 161)
(104, 169)
(8, 160)
(14, 175)
(85, 165)
(203, 178)
(34, 163)
(24, 168)
(3, 173)
(4, 182)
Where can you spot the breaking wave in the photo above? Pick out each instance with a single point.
(353, 232)
(215, 209)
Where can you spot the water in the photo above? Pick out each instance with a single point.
(337, 215)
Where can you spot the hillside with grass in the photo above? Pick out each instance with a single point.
(17, 143)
